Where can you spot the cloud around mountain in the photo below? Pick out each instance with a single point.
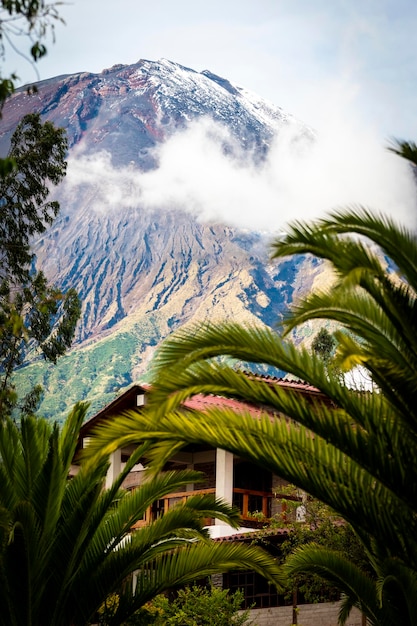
(203, 170)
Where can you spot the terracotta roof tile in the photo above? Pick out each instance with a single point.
(201, 402)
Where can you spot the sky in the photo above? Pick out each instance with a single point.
(307, 56)
(347, 68)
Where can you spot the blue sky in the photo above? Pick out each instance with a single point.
(355, 59)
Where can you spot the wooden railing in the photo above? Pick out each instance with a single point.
(248, 501)
(251, 502)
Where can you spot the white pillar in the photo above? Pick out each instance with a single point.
(115, 467)
(224, 477)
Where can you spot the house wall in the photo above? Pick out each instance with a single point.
(133, 479)
(209, 470)
(323, 614)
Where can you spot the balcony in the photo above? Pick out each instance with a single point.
(248, 501)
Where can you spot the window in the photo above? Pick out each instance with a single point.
(257, 591)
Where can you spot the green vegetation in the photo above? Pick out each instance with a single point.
(96, 372)
(202, 606)
(34, 315)
(324, 344)
(356, 452)
(194, 605)
(66, 546)
(319, 525)
(38, 150)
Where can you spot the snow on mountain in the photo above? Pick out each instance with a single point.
(143, 270)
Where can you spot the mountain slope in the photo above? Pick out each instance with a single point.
(143, 271)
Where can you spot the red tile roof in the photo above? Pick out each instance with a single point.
(127, 400)
(200, 402)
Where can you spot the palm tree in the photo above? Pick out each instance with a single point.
(65, 545)
(385, 598)
(357, 452)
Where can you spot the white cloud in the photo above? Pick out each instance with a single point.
(299, 180)
(108, 187)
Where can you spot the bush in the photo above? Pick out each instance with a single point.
(196, 606)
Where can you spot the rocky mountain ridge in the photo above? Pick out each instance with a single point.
(129, 108)
(141, 272)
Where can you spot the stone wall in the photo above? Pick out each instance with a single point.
(324, 614)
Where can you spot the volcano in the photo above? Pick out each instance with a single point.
(141, 257)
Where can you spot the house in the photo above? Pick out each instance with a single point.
(256, 492)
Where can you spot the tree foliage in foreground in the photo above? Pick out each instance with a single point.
(66, 545)
(33, 314)
(29, 19)
(39, 152)
(203, 606)
(310, 521)
(193, 605)
(357, 451)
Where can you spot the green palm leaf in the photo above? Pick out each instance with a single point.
(359, 588)
(354, 450)
(65, 545)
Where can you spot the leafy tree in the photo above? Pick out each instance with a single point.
(39, 151)
(356, 451)
(323, 344)
(32, 19)
(32, 312)
(195, 605)
(66, 545)
(201, 606)
(321, 527)
(315, 524)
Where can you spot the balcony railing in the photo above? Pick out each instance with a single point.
(252, 505)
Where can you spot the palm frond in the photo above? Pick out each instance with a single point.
(338, 570)
(290, 451)
(405, 149)
(184, 566)
(324, 239)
